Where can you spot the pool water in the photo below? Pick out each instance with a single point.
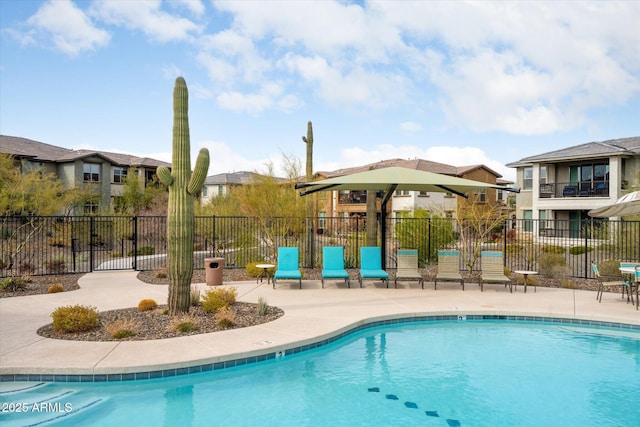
(470, 373)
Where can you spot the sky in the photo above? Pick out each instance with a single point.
(455, 82)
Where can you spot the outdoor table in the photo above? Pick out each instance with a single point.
(265, 272)
(631, 272)
(525, 274)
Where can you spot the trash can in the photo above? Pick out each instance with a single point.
(213, 269)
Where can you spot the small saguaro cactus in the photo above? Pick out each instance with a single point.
(183, 186)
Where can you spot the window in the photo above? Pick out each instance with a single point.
(205, 191)
(401, 193)
(527, 181)
(480, 196)
(220, 189)
(91, 208)
(543, 174)
(322, 220)
(423, 194)
(91, 172)
(119, 175)
(528, 220)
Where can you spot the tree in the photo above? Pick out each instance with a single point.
(137, 198)
(425, 232)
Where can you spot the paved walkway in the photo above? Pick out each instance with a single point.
(311, 314)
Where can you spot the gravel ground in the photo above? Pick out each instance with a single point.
(156, 324)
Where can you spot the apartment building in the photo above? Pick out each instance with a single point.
(101, 170)
(565, 184)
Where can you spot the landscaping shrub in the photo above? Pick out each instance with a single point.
(610, 269)
(161, 274)
(147, 305)
(553, 249)
(56, 266)
(53, 289)
(120, 329)
(194, 297)
(552, 265)
(253, 271)
(579, 250)
(215, 299)
(76, 318)
(143, 250)
(225, 317)
(13, 284)
(262, 306)
(185, 324)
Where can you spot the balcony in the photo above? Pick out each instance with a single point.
(561, 190)
(353, 198)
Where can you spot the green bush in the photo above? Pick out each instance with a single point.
(123, 333)
(225, 317)
(143, 250)
(552, 265)
(76, 318)
(13, 284)
(579, 250)
(553, 249)
(215, 299)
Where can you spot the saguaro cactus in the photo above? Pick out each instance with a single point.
(308, 140)
(183, 186)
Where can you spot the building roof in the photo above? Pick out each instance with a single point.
(39, 151)
(612, 147)
(234, 178)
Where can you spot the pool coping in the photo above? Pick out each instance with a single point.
(313, 317)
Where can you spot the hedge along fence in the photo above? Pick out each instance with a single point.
(81, 244)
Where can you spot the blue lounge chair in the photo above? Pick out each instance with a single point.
(287, 265)
(333, 264)
(371, 264)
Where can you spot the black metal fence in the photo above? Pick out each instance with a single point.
(80, 244)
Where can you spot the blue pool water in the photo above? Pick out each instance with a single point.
(470, 373)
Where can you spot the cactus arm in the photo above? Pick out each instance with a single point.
(164, 175)
(199, 173)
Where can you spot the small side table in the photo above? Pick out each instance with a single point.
(525, 274)
(265, 272)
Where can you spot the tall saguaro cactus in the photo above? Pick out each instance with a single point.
(183, 186)
(308, 140)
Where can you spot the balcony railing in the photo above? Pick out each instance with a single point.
(574, 189)
(352, 198)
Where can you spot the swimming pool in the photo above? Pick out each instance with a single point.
(466, 373)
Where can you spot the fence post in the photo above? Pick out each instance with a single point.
(586, 248)
(91, 242)
(135, 243)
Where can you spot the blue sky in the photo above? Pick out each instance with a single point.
(454, 82)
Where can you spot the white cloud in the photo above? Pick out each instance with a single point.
(147, 17)
(195, 6)
(269, 96)
(70, 30)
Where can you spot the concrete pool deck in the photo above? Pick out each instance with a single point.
(311, 314)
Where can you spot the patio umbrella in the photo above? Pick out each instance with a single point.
(629, 204)
(395, 178)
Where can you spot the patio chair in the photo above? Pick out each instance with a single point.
(605, 282)
(448, 268)
(287, 265)
(492, 265)
(628, 281)
(371, 265)
(333, 264)
(408, 267)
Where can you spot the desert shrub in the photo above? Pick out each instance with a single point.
(185, 324)
(194, 297)
(225, 317)
(13, 284)
(143, 250)
(253, 271)
(56, 266)
(147, 305)
(514, 249)
(262, 306)
(568, 284)
(552, 265)
(553, 249)
(76, 318)
(53, 289)
(215, 299)
(26, 267)
(578, 250)
(610, 268)
(121, 329)
(161, 274)
(116, 254)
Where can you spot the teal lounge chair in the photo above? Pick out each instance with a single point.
(333, 264)
(371, 265)
(287, 265)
